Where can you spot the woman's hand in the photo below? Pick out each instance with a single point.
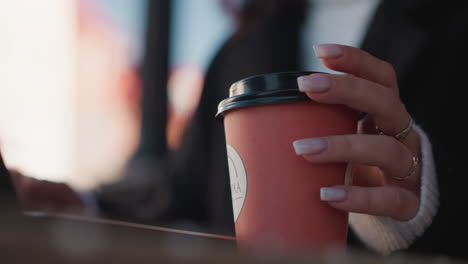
(386, 168)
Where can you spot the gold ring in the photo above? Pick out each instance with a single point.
(401, 135)
(412, 170)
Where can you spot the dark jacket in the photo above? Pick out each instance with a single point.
(426, 43)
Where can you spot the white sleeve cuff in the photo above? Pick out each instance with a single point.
(384, 234)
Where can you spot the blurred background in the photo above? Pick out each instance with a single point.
(70, 81)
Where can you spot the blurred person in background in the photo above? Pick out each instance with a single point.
(409, 65)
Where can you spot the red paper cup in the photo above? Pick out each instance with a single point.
(275, 193)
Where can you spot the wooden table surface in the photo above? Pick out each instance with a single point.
(25, 239)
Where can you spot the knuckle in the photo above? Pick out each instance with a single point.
(398, 204)
(368, 202)
(393, 100)
(387, 102)
(394, 148)
(389, 96)
(403, 206)
(336, 94)
(345, 88)
(382, 203)
(346, 146)
(401, 151)
(389, 68)
(390, 72)
(354, 85)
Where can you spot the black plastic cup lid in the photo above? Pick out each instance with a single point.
(262, 89)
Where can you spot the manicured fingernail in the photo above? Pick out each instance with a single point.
(332, 194)
(309, 146)
(325, 51)
(314, 83)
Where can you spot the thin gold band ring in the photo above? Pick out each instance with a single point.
(412, 169)
(401, 135)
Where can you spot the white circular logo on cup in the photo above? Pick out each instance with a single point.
(238, 178)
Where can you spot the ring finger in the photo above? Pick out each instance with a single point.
(393, 158)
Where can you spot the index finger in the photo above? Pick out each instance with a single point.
(357, 62)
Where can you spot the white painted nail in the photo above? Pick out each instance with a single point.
(309, 146)
(325, 51)
(314, 83)
(332, 194)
